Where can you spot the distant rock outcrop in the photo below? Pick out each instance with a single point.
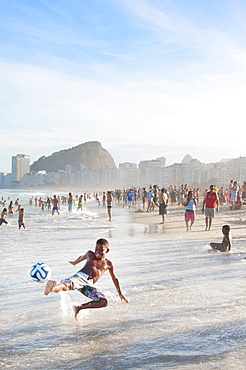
(91, 154)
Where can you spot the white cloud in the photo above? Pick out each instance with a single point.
(47, 106)
(179, 86)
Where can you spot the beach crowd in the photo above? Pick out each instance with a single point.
(145, 199)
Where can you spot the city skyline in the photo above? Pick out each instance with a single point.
(184, 158)
(147, 78)
(190, 171)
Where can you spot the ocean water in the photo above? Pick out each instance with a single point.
(186, 306)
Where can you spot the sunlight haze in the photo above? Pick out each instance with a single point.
(144, 78)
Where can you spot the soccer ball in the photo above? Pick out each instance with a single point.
(40, 272)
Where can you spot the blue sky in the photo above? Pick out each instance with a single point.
(146, 78)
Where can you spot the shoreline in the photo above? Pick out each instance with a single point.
(175, 223)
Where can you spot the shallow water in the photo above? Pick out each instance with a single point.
(186, 306)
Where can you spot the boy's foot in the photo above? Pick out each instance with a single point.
(49, 286)
(76, 310)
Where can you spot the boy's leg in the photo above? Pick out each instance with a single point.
(52, 286)
(217, 246)
(92, 304)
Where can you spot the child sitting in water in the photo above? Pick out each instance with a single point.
(225, 246)
(84, 279)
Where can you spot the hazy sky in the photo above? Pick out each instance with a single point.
(146, 78)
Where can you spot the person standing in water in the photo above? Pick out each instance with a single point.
(21, 220)
(70, 202)
(80, 204)
(110, 204)
(56, 205)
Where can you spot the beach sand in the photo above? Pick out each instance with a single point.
(175, 223)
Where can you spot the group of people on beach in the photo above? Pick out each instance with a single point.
(53, 204)
(96, 262)
(132, 198)
(11, 211)
(156, 197)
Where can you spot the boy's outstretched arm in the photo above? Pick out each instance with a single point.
(117, 284)
(79, 259)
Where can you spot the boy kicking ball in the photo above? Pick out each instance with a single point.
(95, 266)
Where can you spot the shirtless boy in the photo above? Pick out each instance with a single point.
(225, 246)
(21, 220)
(95, 266)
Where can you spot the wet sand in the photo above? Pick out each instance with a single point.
(175, 223)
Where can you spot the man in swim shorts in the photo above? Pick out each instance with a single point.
(163, 200)
(70, 202)
(21, 220)
(210, 202)
(95, 266)
(56, 205)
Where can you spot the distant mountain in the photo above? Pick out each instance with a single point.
(91, 154)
